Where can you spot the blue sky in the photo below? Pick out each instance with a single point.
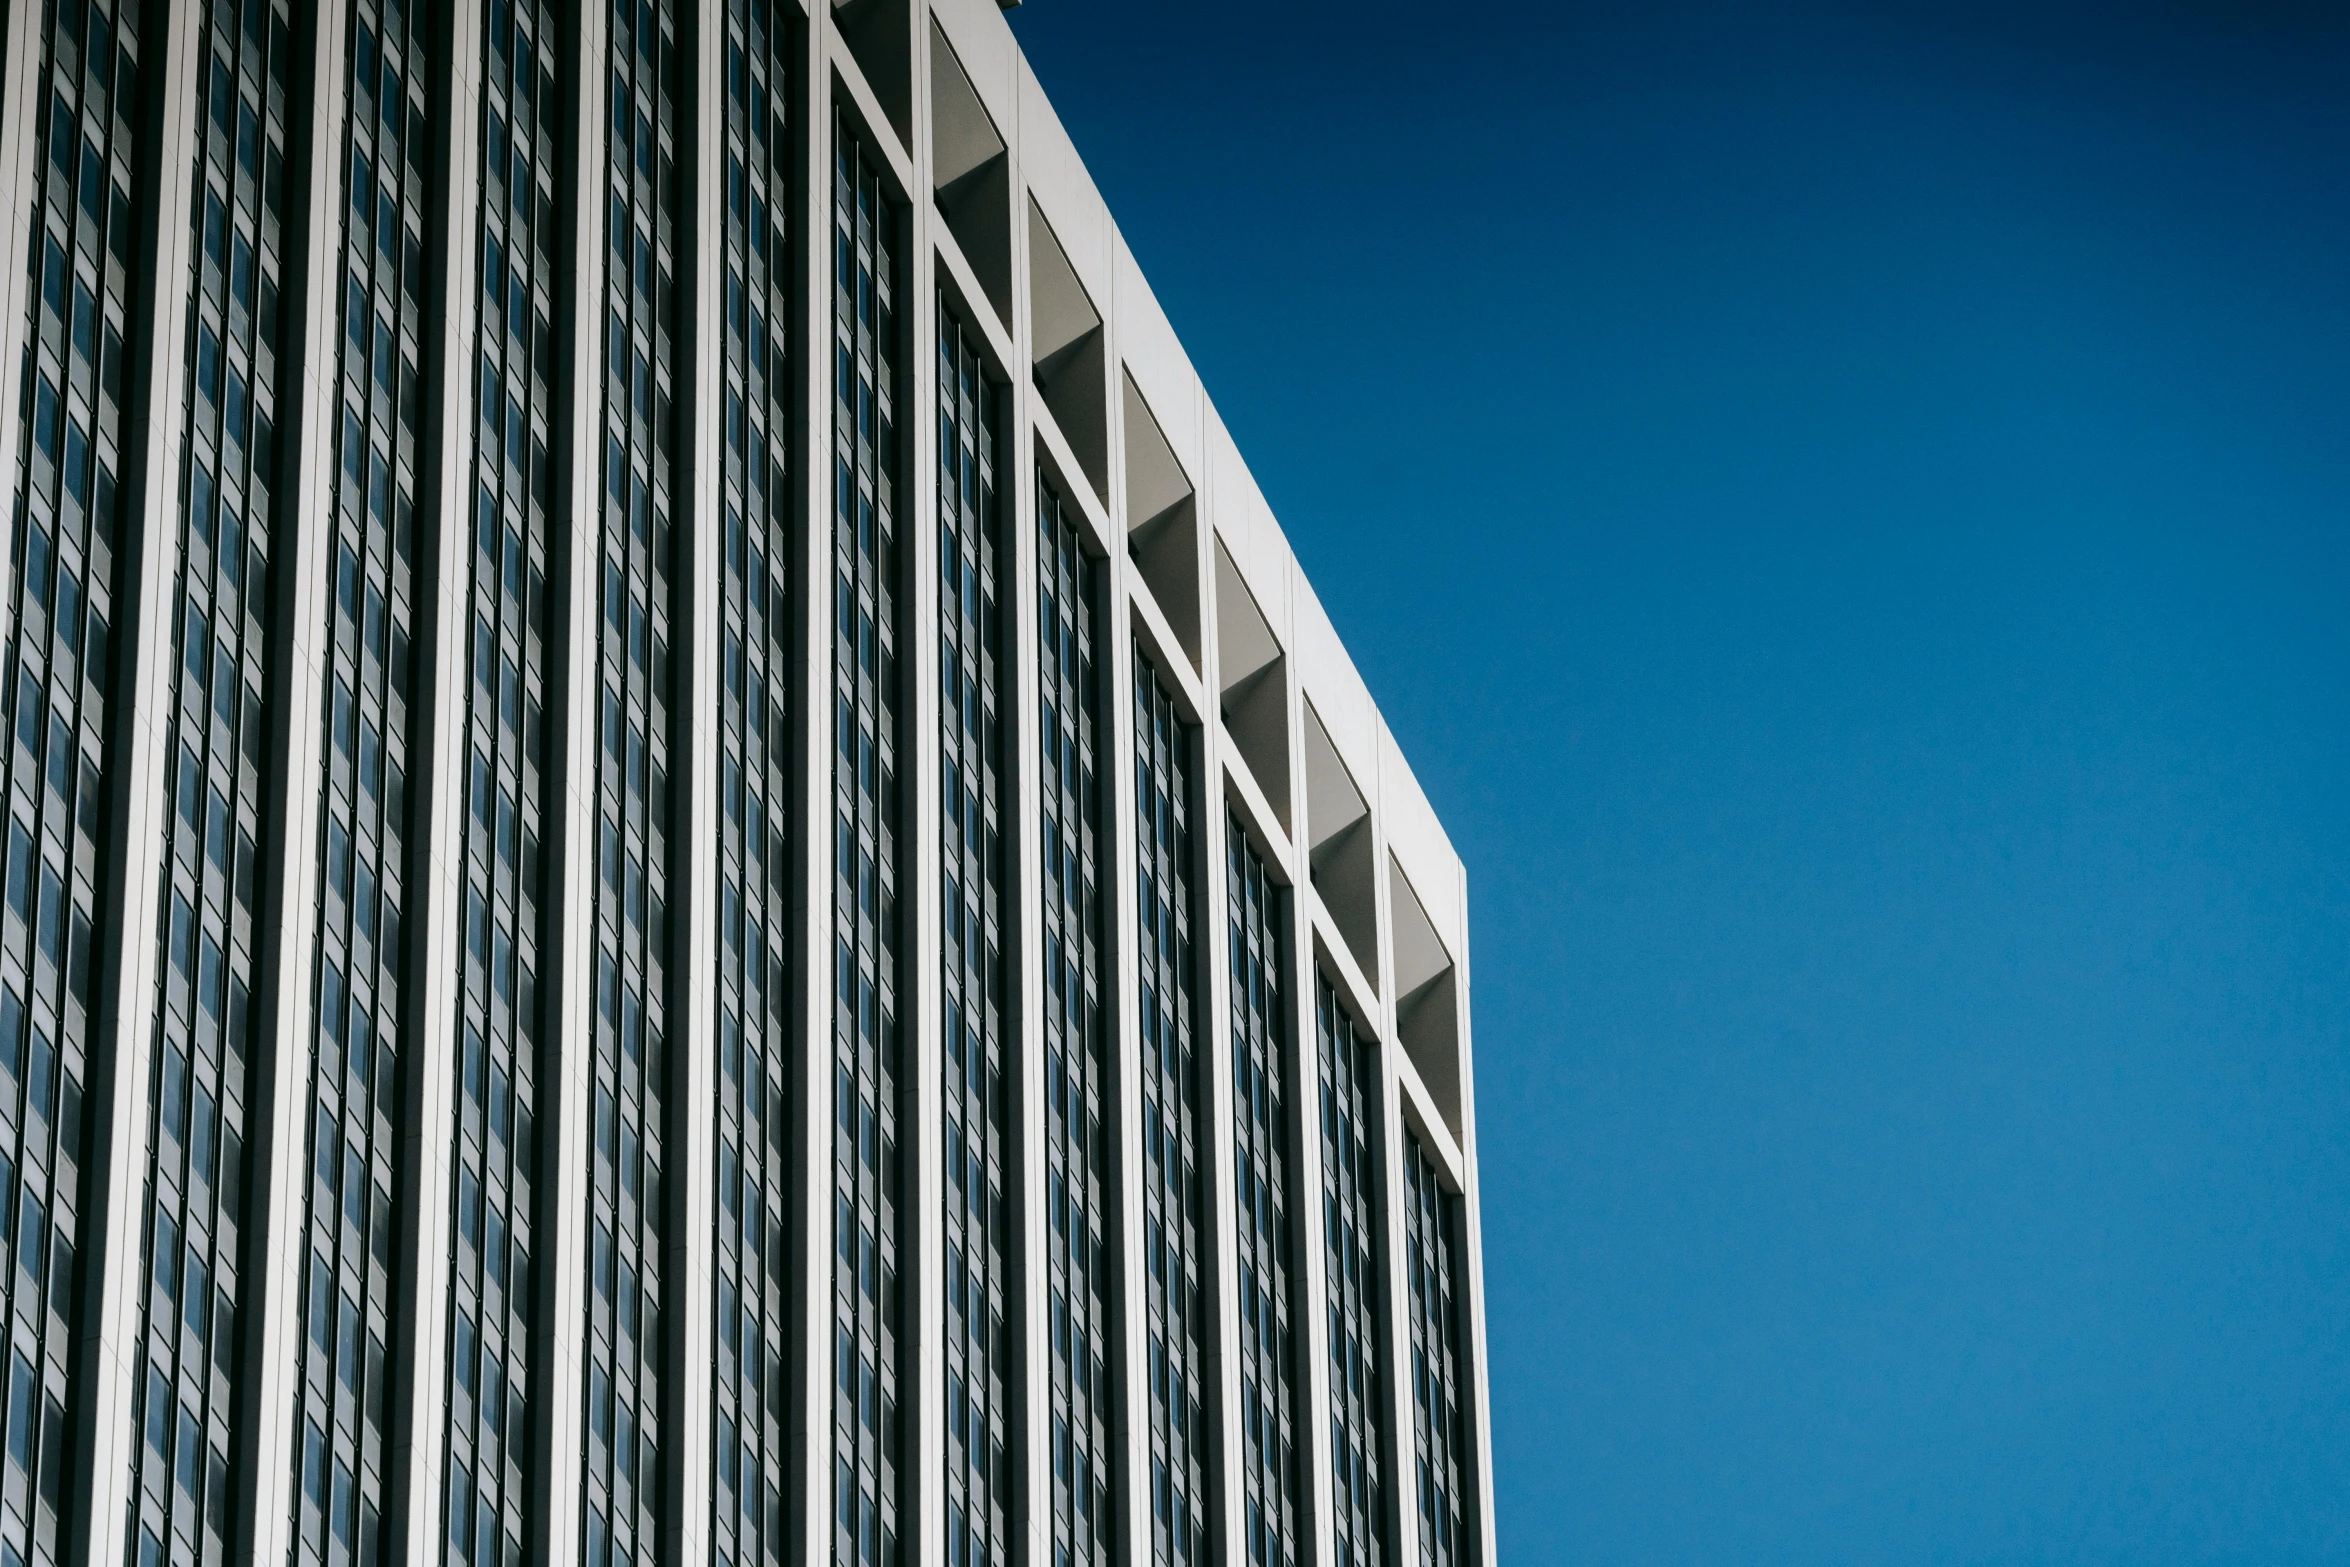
(1848, 510)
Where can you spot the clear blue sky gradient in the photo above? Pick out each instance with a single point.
(1847, 509)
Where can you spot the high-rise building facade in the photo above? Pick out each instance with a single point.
(688, 877)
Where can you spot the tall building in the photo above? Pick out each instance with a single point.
(688, 875)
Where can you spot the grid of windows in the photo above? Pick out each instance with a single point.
(635, 701)
(1432, 1233)
(1080, 1196)
(1351, 1232)
(508, 812)
(356, 1115)
(1261, 1198)
(1174, 1206)
(868, 1064)
(60, 585)
(199, 1088)
(752, 1415)
(976, 1235)
(187, 1236)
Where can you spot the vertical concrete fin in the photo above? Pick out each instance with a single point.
(418, 1438)
(557, 1344)
(690, 1229)
(290, 792)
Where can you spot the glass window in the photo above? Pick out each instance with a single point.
(1174, 1209)
(491, 1307)
(1269, 1373)
(866, 1035)
(1075, 960)
(1353, 1265)
(977, 1121)
(1432, 1232)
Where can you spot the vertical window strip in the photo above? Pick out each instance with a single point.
(752, 1410)
(61, 583)
(1183, 1526)
(1087, 1365)
(868, 1007)
(359, 962)
(1353, 1268)
(507, 812)
(1262, 1195)
(975, 1156)
(200, 1088)
(1433, 1235)
(635, 703)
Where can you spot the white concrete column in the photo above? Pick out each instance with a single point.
(122, 1035)
(415, 1461)
(20, 102)
(1310, 1289)
(1476, 1384)
(1031, 1507)
(1309, 1263)
(558, 1341)
(1395, 1410)
(1213, 1040)
(689, 1233)
(299, 644)
(810, 1489)
(921, 1138)
(1121, 999)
